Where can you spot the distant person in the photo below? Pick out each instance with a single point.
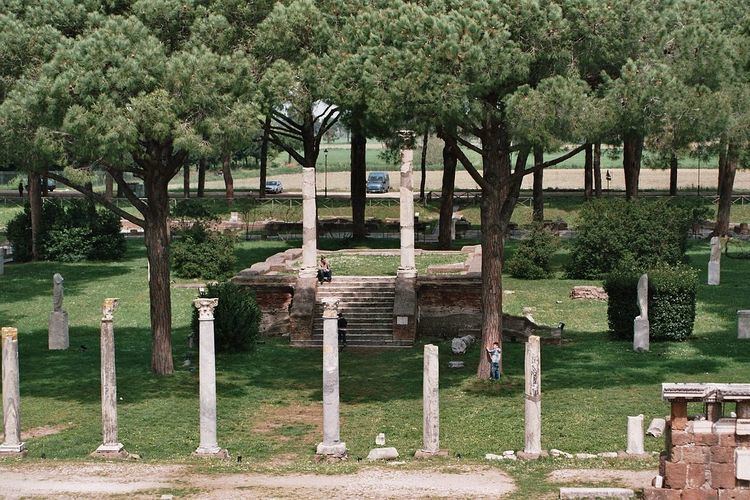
(495, 353)
(324, 271)
(342, 330)
(20, 189)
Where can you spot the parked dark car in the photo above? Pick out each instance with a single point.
(378, 182)
(274, 187)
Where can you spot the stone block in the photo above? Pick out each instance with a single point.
(660, 494)
(656, 427)
(728, 440)
(725, 426)
(679, 418)
(743, 427)
(696, 475)
(615, 493)
(722, 454)
(681, 438)
(382, 454)
(742, 462)
(714, 273)
(640, 334)
(707, 439)
(734, 494)
(58, 338)
(723, 476)
(701, 426)
(692, 454)
(699, 494)
(743, 324)
(675, 475)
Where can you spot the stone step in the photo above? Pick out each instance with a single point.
(380, 344)
(356, 300)
(357, 292)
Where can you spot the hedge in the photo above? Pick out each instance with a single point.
(236, 318)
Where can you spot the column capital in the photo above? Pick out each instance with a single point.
(407, 138)
(108, 308)
(330, 307)
(9, 332)
(205, 308)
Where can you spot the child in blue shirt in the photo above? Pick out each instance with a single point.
(495, 359)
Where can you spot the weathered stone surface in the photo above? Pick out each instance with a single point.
(615, 493)
(533, 397)
(656, 427)
(714, 264)
(742, 462)
(743, 324)
(431, 400)
(309, 225)
(58, 337)
(332, 444)
(723, 476)
(640, 323)
(635, 435)
(12, 444)
(110, 444)
(459, 345)
(559, 453)
(382, 454)
(408, 266)
(660, 494)
(588, 292)
(585, 456)
(405, 308)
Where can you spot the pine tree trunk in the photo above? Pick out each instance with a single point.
(673, 175)
(423, 165)
(588, 173)
(201, 177)
(358, 180)
(156, 236)
(598, 170)
(727, 171)
(226, 169)
(35, 206)
(186, 181)
(538, 192)
(631, 163)
(446, 193)
(264, 157)
(108, 186)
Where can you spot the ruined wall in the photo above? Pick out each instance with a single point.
(274, 297)
(448, 306)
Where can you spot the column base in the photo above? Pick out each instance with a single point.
(13, 450)
(112, 450)
(424, 454)
(331, 450)
(211, 453)
(640, 334)
(406, 272)
(714, 273)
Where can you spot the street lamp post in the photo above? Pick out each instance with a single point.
(325, 163)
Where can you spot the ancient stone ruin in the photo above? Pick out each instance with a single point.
(705, 458)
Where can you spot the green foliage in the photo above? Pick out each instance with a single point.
(671, 300)
(71, 231)
(672, 295)
(532, 259)
(200, 253)
(194, 209)
(236, 318)
(611, 230)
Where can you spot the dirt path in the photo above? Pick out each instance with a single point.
(146, 481)
(611, 477)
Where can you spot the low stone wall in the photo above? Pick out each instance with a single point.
(274, 294)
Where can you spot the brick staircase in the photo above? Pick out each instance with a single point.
(367, 304)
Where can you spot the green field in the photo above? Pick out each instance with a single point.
(269, 401)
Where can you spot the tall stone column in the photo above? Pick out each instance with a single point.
(12, 444)
(57, 333)
(714, 263)
(533, 399)
(207, 372)
(431, 405)
(110, 445)
(309, 229)
(331, 445)
(407, 268)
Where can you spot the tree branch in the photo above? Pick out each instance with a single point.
(97, 198)
(279, 117)
(276, 140)
(324, 113)
(550, 163)
(469, 145)
(285, 133)
(129, 194)
(469, 167)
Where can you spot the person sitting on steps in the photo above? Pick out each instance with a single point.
(324, 271)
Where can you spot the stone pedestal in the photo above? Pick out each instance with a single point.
(309, 228)
(635, 435)
(430, 403)
(331, 445)
(407, 269)
(743, 324)
(533, 398)
(110, 446)
(714, 273)
(207, 371)
(58, 338)
(640, 334)
(12, 445)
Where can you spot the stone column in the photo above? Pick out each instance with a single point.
(407, 268)
(533, 404)
(743, 324)
(635, 435)
(431, 401)
(207, 372)
(309, 229)
(58, 338)
(110, 444)
(641, 327)
(12, 444)
(714, 263)
(714, 411)
(331, 445)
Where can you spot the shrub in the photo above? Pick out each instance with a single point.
(671, 300)
(648, 231)
(71, 230)
(532, 258)
(200, 253)
(236, 317)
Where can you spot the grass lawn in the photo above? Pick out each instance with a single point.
(269, 401)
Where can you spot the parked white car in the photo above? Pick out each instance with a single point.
(274, 187)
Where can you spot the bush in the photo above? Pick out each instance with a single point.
(71, 231)
(200, 253)
(649, 232)
(671, 300)
(236, 318)
(532, 258)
